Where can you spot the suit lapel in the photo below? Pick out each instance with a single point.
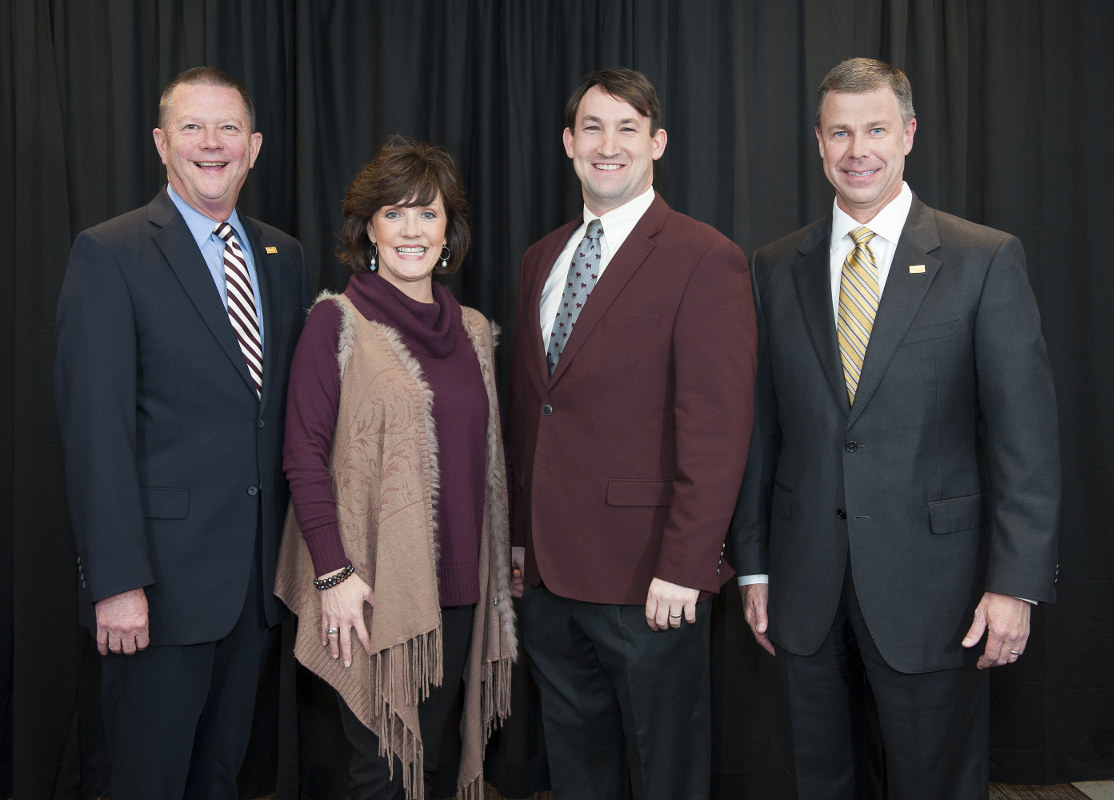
(622, 267)
(180, 251)
(905, 291)
(812, 276)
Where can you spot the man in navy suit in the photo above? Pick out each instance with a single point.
(627, 451)
(172, 438)
(903, 501)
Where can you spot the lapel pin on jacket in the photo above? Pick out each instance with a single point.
(916, 269)
(271, 249)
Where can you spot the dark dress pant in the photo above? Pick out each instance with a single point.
(178, 718)
(620, 701)
(370, 774)
(933, 726)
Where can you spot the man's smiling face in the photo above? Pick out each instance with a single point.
(863, 143)
(208, 147)
(612, 150)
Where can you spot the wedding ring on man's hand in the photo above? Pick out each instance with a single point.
(332, 631)
(1015, 652)
(675, 616)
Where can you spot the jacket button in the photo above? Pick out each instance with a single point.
(547, 409)
(261, 423)
(253, 490)
(850, 447)
(841, 513)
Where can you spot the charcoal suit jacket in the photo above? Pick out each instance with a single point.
(942, 480)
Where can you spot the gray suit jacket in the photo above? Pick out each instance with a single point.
(941, 483)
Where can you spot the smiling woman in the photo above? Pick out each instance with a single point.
(392, 407)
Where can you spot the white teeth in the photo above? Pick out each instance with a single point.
(210, 163)
(608, 167)
(862, 174)
(410, 251)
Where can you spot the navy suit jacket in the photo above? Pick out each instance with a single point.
(940, 483)
(627, 460)
(171, 459)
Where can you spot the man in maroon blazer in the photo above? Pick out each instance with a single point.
(628, 431)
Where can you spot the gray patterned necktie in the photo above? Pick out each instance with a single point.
(584, 270)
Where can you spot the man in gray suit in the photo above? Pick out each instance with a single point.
(902, 492)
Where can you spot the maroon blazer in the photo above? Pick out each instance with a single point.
(627, 461)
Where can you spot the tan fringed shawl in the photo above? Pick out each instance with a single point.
(385, 478)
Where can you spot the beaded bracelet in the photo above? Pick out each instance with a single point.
(333, 580)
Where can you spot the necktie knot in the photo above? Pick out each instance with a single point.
(595, 230)
(861, 236)
(224, 231)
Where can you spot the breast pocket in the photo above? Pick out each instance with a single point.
(631, 320)
(935, 330)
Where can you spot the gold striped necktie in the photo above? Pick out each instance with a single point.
(858, 301)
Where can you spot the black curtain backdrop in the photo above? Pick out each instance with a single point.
(1014, 116)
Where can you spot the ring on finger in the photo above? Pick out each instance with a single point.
(332, 631)
(675, 616)
(1015, 652)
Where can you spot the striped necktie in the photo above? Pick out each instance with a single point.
(241, 304)
(858, 302)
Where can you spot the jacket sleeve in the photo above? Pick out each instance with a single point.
(95, 396)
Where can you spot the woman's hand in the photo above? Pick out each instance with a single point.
(342, 607)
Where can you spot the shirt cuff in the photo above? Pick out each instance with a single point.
(747, 580)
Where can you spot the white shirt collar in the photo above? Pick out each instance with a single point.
(887, 223)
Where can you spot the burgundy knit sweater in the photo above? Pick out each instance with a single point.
(435, 337)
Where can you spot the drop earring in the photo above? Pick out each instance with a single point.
(446, 253)
(374, 255)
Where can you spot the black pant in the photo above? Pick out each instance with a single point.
(369, 772)
(933, 725)
(619, 700)
(178, 718)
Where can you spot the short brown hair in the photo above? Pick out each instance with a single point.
(204, 76)
(404, 173)
(858, 75)
(624, 84)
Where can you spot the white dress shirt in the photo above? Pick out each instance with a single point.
(617, 225)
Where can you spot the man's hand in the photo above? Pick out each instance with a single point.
(122, 624)
(756, 598)
(1005, 620)
(667, 604)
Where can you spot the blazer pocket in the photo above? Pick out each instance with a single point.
(621, 492)
(937, 330)
(957, 513)
(162, 503)
(631, 320)
(781, 502)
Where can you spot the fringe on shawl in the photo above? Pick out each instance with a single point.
(422, 668)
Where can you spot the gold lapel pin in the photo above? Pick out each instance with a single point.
(271, 249)
(916, 269)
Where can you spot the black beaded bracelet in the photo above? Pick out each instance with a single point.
(333, 580)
